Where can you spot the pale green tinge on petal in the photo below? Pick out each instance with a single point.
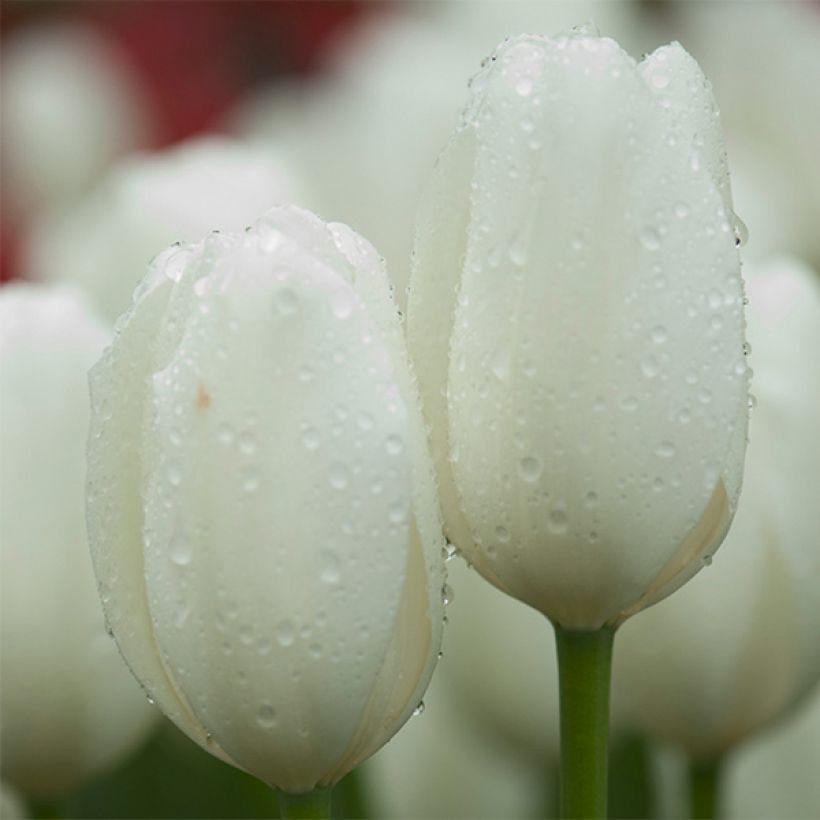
(595, 384)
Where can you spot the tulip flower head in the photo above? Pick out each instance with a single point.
(576, 320)
(261, 504)
(68, 707)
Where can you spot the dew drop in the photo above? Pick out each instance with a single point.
(649, 367)
(660, 79)
(449, 551)
(174, 475)
(225, 434)
(397, 512)
(523, 87)
(518, 253)
(330, 573)
(629, 403)
(659, 335)
(311, 438)
(266, 716)
(247, 443)
(284, 633)
(447, 595)
(181, 552)
(747, 348)
(666, 449)
(752, 402)
(529, 468)
(338, 475)
(342, 304)
(286, 301)
(558, 521)
(591, 499)
(250, 480)
(740, 231)
(394, 445)
(502, 534)
(419, 710)
(649, 238)
(681, 210)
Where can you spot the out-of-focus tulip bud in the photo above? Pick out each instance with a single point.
(11, 807)
(68, 706)
(147, 202)
(775, 173)
(261, 507)
(576, 320)
(776, 774)
(739, 646)
(69, 107)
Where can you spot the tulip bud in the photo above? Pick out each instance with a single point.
(145, 203)
(739, 646)
(576, 321)
(261, 505)
(69, 707)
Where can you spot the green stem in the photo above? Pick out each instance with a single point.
(584, 671)
(704, 789)
(314, 805)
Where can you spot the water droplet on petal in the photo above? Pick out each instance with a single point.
(285, 633)
(311, 438)
(649, 238)
(529, 468)
(266, 716)
(286, 301)
(338, 476)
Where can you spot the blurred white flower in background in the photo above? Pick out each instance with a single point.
(104, 242)
(738, 647)
(764, 62)
(366, 133)
(68, 706)
(69, 106)
(775, 775)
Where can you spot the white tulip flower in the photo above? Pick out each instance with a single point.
(261, 504)
(576, 321)
(739, 646)
(68, 707)
(104, 242)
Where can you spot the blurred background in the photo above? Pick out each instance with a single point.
(112, 113)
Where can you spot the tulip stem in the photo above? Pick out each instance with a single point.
(704, 788)
(584, 671)
(314, 805)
